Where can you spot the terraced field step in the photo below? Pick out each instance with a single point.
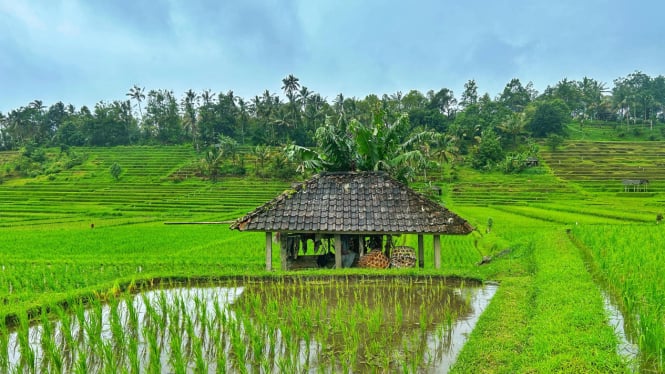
(482, 189)
(146, 188)
(602, 166)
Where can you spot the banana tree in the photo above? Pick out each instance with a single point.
(379, 146)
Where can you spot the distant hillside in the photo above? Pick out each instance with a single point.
(161, 183)
(156, 183)
(600, 167)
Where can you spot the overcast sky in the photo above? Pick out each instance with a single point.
(85, 51)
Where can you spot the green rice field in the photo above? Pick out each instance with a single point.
(559, 240)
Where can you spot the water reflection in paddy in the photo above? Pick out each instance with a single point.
(318, 325)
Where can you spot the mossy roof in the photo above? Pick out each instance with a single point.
(353, 202)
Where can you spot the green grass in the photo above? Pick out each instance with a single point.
(547, 315)
(547, 318)
(630, 262)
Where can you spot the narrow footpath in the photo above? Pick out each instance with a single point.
(547, 317)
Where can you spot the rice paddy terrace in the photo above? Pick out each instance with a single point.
(579, 171)
(157, 183)
(519, 331)
(600, 167)
(160, 183)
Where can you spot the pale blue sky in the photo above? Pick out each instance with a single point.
(85, 51)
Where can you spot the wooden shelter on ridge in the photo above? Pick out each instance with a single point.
(635, 185)
(360, 205)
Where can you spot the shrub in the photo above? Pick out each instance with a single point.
(115, 171)
(233, 170)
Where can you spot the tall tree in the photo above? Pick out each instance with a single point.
(108, 126)
(549, 117)
(487, 152)
(291, 86)
(515, 96)
(137, 93)
(5, 140)
(414, 100)
(189, 120)
(634, 96)
(338, 103)
(592, 92)
(513, 126)
(470, 94)
(243, 117)
(444, 101)
(571, 94)
(163, 118)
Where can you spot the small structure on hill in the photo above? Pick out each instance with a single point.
(532, 162)
(354, 210)
(635, 185)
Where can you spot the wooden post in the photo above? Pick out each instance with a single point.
(338, 251)
(269, 251)
(282, 251)
(361, 246)
(437, 251)
(421, 251)
(388, 245)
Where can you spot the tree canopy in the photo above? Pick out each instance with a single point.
(305, 118)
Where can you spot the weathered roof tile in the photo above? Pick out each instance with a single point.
(353, 202)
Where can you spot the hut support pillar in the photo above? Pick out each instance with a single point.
(437, 251)
(269, 251)
(282, 251)
(421, 251)
(361, 246)
(338, 251)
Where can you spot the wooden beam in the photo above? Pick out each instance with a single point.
(437, 251)
(421, 251)
(338, 251)
(269, 251)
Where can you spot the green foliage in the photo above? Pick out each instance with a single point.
(549, 117)
(306, 159)
(115, 171)
(282, 168)
(210, 163)
(379, 146)
(335, 140)
(488, 151)
(553, 141)
(519, 332)
(629, 260)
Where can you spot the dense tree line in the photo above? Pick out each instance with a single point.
(475, 125)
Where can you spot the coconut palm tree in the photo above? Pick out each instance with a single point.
(207, 96)
(303, 96)
(291, 87)
(137, 93)
(338, 103)
(189, 115)
(261, 153)
(291, 84)
(514, 126)
(243, 116)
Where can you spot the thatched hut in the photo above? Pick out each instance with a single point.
(352, 204)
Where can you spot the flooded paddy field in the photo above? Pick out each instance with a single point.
(317, 324)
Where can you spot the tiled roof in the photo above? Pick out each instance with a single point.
(353, 202)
